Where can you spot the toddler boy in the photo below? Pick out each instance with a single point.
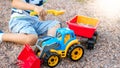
(25, 28)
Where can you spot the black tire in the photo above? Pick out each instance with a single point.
(96, 33)
(94, 39)
(51, 59)
(90, 44)
(75, 52)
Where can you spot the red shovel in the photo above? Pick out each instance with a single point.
(28, 59)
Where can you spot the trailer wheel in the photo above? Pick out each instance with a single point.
(90, 44)
(94, 39)
(75, 52)
(52, 59)
(95, 36)
(96, 33)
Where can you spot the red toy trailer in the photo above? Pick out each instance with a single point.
(85, 27)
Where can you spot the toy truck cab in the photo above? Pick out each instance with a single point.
(64, 35)
(64, 44)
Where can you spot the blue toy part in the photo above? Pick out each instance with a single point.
(61, 35)
(46, 43)
(50, 42)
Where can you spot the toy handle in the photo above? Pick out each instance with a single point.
(53, 12)
(35, 14)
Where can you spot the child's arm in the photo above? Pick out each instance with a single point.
(26, 6)
(22, 5)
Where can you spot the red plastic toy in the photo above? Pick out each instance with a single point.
(28, 59)
(83, 26)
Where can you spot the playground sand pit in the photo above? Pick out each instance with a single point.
(107, 49)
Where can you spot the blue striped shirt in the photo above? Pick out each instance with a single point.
(19, 12)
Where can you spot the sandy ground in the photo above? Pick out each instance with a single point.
(107, 50)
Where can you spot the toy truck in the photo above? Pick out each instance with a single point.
(52, 49)
(84, 27)
(64, 44)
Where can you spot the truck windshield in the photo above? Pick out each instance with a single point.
(59, 36)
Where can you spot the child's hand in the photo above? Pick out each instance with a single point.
(41, 12)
